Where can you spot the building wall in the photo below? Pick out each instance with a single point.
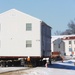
(59, 46)
(46, 39)
(52, 40)
(69, 48)
(13, 34)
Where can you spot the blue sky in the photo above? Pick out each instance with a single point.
(56, 13)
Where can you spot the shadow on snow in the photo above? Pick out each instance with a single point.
(60, 66)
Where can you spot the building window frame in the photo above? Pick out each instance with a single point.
(70, 42)
(70, 49)
(28, 43)
(58, 45)
(28, 26)
(74, 41)
(74, 49)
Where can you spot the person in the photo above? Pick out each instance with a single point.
(46, 65)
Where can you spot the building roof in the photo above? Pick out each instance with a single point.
(69, 38)
(63, 37)
(14, 11)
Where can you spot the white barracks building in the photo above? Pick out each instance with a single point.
(22, 35)
(65, 44)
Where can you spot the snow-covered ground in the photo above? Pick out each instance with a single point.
(44, 71)
(49, 71)
(70, 62)
(57, 68)
(8, 69)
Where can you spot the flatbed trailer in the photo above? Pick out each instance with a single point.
(23, 61)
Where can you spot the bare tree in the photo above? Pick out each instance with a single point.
(57, 33)
(66, 32)
(71, 26)
(69, 31)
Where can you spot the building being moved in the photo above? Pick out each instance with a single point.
(23, 36)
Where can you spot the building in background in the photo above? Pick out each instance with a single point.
(59, 46)
(65, 44)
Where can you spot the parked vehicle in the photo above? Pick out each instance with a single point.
(56, 56)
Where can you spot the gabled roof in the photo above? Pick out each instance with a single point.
(63, 37)
(69, 38)
(17, 11)
(14, 11)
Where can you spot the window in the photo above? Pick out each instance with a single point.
(74, 42)
(74, 49)
(69, 42)
(70, 49)
(28, 26)
(58, 45)
(28, 43)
